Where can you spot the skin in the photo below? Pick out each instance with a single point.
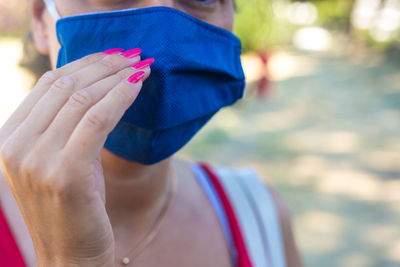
(57, 179)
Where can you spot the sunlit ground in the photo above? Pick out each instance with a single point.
(327, 138)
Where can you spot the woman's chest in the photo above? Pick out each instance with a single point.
(191, 235)
(188, 249)
(192, 238)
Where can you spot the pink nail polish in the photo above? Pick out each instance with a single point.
(143, 64)
(131, 53)
(136, 77)
(113, 51)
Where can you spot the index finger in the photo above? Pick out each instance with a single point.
(89, 136)
(43, 85)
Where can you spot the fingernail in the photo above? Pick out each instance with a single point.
(136, 77)
(113, 51)
(143, 64)
(131, 53)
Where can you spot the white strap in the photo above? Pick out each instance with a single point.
(265, 206)
(257, 215)
(246, 217)
(51, 7)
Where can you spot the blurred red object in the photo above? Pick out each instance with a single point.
(264, 84)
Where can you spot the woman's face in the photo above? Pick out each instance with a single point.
(217, 12)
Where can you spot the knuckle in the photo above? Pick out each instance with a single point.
(8, 154)
(57, 186)
(64, 84)
(57, 182)
(51, 179)
(80, 98)
(90, 59)
(125, 73)
(97, 121)
(3, 135)
(48, 77)
(122, 96)
(30, 167)
(42, 177)
(109, 64)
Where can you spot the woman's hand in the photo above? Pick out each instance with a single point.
(50, 155)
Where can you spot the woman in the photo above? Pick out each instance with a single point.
(84, 184)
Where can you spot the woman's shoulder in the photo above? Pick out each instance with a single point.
(249, 191)
(250, 178)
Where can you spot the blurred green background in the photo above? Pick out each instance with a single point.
(320, 121)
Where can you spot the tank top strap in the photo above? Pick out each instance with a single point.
(10, 255)
(208, 189)
(257, 215)
(243, 257)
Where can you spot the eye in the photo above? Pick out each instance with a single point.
(201, 8)
(205, 2)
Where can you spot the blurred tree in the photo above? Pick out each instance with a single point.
(258, 27)
(335, 14)
(263, 23)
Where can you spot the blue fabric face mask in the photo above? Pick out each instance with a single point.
(197, 71)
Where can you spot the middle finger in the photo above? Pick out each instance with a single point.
(49, 105)
(72, 112)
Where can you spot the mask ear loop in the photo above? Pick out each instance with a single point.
(51, 7)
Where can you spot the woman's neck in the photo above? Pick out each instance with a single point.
(135, 192)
